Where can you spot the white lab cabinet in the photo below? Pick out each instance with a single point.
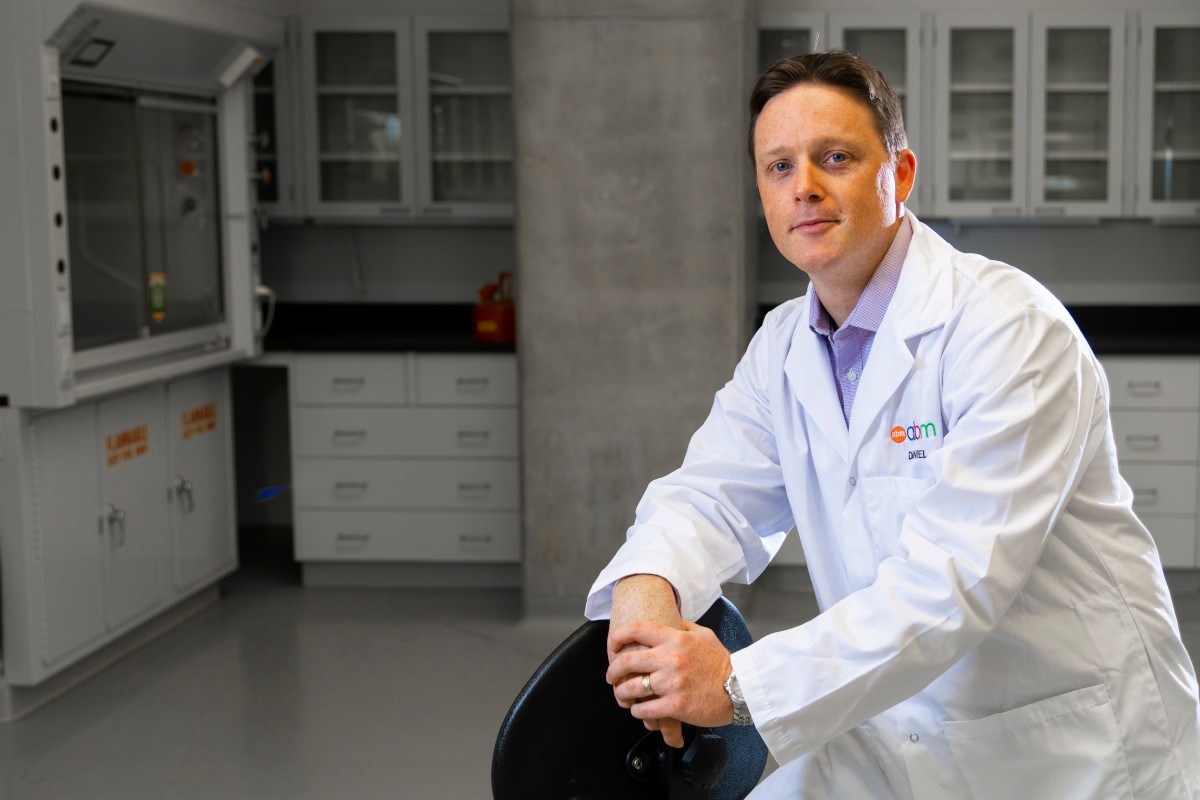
(1155, 405)
(359, 116)
(405, 458)
(1168, 151)
(407, 118)
(132, 460)
(466, 138)
(892, 42)
(981, 67)
(199, 483)
(1028, 114)
(1077, 111)
(100, 505)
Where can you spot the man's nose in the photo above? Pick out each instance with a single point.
(806, 184)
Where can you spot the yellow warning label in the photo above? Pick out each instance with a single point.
(198, 420)
(127, 445)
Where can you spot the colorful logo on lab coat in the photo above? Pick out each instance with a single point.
(914, 432)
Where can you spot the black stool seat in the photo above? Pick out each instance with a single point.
(566, 737)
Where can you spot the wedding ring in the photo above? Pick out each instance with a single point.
(647, 689)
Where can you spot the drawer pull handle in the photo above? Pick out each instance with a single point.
(473, 438)
(471, 385)
(348, 383)
(349, 434)
(353, 538)
(469, 541)
(474, 488)
(1145, 494)
(1143, 441)
(1145, 388)
(350, 486)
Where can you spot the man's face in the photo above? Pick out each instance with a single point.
(830, 190)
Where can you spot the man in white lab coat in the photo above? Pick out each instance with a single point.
(994, 619)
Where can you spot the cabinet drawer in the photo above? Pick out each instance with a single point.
(484, 536)
(1161, 488)
(1153, 382)
(466, 380)
(1156, 435)
(350, 379)
(1176, 539)
(420, 432)
(393, 483)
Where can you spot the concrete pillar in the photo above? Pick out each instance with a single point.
(635, 251)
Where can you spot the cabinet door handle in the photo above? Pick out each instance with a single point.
(474, 489)
(1145, 388)
(1050, 211)
(183, 490)
(347, 384)
(348, 486)
(439, 210)
(471, 385)
(1142, 441)
(1150, 495)
(1006, 211)
(115, 518)
(346, 433)
(393, 209)
(467, 541)
(353, 538)
(473, 438)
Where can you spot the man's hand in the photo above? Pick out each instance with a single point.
(645, 598)
(687, 671)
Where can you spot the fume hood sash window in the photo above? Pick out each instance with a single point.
(143, 223)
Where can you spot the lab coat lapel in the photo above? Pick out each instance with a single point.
(807, 369)
(921, 303)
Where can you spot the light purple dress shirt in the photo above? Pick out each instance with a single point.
(849, 345)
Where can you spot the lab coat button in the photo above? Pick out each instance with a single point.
(912, 737)
(852, 376)
(853, 481)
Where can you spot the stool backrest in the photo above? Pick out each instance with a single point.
(565, 737)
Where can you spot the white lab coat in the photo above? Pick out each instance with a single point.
(994, 618)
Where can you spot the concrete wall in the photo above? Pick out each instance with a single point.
(632, 243)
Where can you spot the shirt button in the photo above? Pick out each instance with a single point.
(853, 481)
(912, 737)
(852, 376)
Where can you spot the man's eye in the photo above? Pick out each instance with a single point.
(838, 158)
(779, 166)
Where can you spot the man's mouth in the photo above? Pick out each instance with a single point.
(813, 225)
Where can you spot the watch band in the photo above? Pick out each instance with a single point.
(741, 712)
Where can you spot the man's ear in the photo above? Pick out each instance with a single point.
(906, 174)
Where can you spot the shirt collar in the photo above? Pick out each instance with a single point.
(868, 312)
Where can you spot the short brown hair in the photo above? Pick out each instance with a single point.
(841, 70)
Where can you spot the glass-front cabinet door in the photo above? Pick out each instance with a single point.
(980, 144)
(1169, 115)
(892, 42)
(277, 156)
(466, 148)
(1076, 108)
(783, 34)
(359, 116)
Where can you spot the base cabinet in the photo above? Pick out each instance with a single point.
(406, 458)
(110, 511)
(1155, 405)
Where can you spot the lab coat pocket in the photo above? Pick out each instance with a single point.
(887, 502)
(1060, 748)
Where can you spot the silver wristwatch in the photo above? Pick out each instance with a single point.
(741, 712)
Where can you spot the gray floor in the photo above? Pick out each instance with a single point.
(282, 692)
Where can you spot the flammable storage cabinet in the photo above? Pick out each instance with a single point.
(128, 279)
